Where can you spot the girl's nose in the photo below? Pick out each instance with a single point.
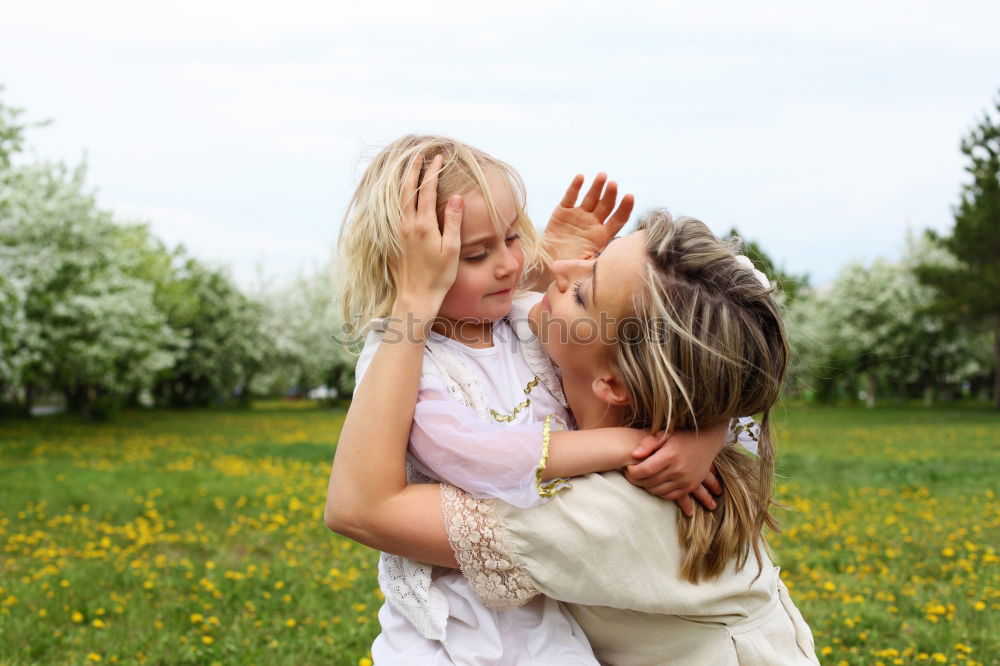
(507, 264)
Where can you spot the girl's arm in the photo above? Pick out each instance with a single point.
(515, 463)
(368, 499)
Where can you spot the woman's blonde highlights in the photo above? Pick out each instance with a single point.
(706, 345)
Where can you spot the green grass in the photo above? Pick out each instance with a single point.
(197, 537)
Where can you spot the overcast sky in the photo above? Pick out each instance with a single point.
(239, 129)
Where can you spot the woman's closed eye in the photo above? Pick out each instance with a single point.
(576, 294)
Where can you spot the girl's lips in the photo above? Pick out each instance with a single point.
(500, 293)
(545, 301)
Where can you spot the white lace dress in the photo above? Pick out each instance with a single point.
(479, 424)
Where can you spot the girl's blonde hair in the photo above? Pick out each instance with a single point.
(706, 345)
(369, 245)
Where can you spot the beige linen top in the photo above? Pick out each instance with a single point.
(610, 551)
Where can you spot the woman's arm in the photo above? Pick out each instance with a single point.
(368, 499)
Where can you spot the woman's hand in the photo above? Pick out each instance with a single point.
(429, 261)
(581, 231)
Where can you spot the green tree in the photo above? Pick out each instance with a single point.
(791, 285)
(969, 289)
(220, 327)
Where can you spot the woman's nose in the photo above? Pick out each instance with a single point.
(566, 271)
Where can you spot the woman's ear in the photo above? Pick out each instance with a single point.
(610, 389)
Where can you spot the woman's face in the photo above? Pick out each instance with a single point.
(576, 319)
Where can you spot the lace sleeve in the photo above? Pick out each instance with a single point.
(477, 538)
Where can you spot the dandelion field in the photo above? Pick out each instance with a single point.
(197, 537)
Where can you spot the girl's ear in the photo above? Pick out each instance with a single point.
(610, 389)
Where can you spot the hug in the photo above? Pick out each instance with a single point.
(527, 406)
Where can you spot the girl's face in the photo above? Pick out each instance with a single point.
(576, 319)
(489, 263)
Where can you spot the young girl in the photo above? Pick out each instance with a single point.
(478, 374)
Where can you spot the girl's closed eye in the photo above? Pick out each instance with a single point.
(476, 258)
(576, 294)
(510, 239)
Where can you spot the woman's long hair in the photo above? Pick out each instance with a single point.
(706, 345)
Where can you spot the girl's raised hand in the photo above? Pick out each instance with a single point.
(429, 261)
(581, 231)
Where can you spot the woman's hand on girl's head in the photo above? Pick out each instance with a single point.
(581, 231)
(429, 261)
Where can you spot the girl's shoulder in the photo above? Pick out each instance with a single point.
(440, 365)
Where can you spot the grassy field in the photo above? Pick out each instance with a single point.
(197, 537)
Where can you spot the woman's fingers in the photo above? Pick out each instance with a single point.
(594, 193)
(685, 504)
(572, 192)
(607, 201)
(620, 217)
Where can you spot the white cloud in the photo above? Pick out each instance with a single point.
(821, 130)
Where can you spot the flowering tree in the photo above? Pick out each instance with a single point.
(309, 350)
(874, 328)
(76, 316)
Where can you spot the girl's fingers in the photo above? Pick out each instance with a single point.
(712, 483)
(594, 193)
(572, 192)
(685, 504)
(704, 497)
(607, 202)
(410, 183)
(427, 201)
(451, 234)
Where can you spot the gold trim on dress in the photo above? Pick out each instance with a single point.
(547, 488)
(507, 418)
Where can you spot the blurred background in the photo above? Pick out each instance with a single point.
(172, 179)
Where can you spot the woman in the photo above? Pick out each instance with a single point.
(669, 331)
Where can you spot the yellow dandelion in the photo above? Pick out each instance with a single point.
(77, 617)
(290, 623)
(98, 624)
(196, 618)
(207, 640)
(94, 657)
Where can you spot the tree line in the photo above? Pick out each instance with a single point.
(102, 313)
